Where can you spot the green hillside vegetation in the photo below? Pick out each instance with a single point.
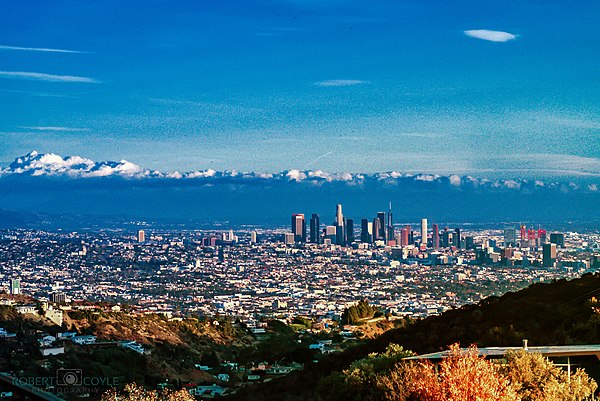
(557, 313)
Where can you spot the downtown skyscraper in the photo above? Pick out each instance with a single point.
(299, 227)
(315, 229)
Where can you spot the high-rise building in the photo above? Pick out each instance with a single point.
(141, 236)
(289, 238)
(299, 227)
(377, 229)
(435, 236)
(542, 236)
(390, 224)
(382, 226)
(366, 233)
(510, 237)
(558, 239)
(15, 287)
(405, 236)
(548, 255)
(523, 238)
(456, 238)
(253, 236)
(339, 216)
(340, 236)
(315, 227)
(349, 227)
(331, 234)
(424, 231)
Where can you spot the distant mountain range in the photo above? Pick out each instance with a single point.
(74, 185)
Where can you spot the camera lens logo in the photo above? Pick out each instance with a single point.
(68, 377)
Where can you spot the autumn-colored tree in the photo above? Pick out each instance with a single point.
(466, 376)
(134, 392)
(462, 376)
(535, 378)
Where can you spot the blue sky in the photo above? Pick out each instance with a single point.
(332, 85)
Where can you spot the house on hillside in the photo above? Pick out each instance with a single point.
(84, 340)
(50, 351)
(213, 391)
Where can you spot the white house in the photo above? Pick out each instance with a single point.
(134, 346)
(84, 340)
(46, 341)
(24, 309)
(66, 335)
(52, 351)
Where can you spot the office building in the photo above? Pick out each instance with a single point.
(424, 231)
(456, 238)
(315, 229)
(339, 216)
(558, 239)
(381, 234)
(390, 225)
(377, 229)
(349, 226)
(366, 233)
(435, 236)
(331, 234)
(253, 236)
(340, 238)
(510, 237)
(141, 236)
(548, 255)
(15, 287)
(299, 227)
(405, 236)
(289, 238)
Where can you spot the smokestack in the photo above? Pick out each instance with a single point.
(525, 345)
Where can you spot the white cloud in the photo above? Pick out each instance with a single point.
(61, 129)
(39, 49)
(455, 180)
(38, 76)
(492, 36)
(340, 82)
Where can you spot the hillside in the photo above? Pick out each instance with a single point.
(175, 346)
(562, 312)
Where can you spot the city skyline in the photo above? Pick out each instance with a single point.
(339, 87)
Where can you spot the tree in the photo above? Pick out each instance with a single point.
(535, 378)
(134, 392)
(463, 376)
(360, 381)
(355, 313)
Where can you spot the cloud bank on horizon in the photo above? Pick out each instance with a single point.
(492, 36)
(40, 165)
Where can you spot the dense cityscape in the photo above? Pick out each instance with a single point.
(285, 272)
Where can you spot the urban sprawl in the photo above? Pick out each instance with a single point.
(255, 273)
